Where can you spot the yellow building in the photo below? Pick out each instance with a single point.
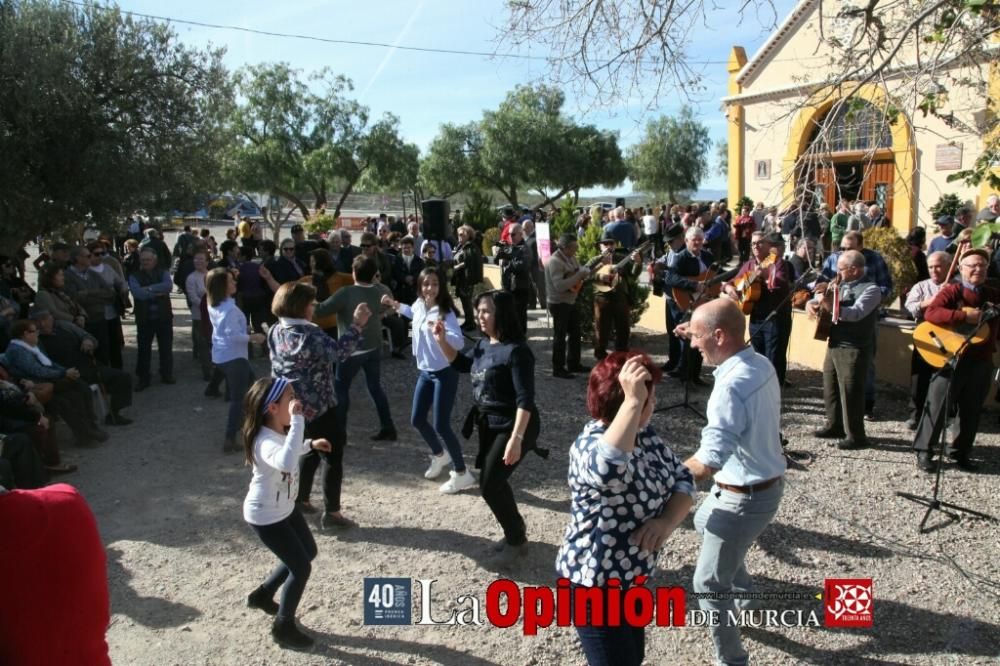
(878, 147)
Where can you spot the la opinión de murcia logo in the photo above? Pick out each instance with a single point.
(848, 602)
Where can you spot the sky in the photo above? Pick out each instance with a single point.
(427, 89)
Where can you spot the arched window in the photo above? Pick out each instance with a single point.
(855, 125)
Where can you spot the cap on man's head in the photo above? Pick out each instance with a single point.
(945, 220)
(986, 215)
(36, 313)
(607, 238)
(508, 211)
(673, 232)
(297, 229)
(976, 251)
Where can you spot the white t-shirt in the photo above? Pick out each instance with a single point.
(275, 481)
(650, 225)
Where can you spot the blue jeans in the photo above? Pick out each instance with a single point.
(293, 543)
(371, 363)
(612, 646)
(239, 376)
(437, 388)
(729, 523)
(768, 339)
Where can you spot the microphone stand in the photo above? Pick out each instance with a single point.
(934, 503)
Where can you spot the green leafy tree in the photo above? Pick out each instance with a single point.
(672, 156)
(565, 219)
(101, 114)
(292, 140)
(527, 144)
(948, 204)
(479, 212)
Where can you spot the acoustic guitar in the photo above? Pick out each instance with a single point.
(711, 287)
(601, 284)
(939, 344)
(748, 287)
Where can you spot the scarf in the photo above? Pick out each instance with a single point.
(38, 353)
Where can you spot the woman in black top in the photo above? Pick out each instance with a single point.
(503, 390)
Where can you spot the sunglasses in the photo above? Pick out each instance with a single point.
(97, 254)
(364, 245)
(288, 249)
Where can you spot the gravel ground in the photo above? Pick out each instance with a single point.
(181, 560)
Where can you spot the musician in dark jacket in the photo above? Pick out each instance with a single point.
(689, 263)
(613, 307)
(515, 272)
(406, 267)
(768, 333)
(970, 380)
(467, 272)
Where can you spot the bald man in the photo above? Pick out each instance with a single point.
(741, 450)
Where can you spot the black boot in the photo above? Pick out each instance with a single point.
(288, 635)
(260, 599)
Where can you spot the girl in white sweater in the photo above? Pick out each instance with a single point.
(273, 441)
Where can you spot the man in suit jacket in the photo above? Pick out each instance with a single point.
(406, 268)
(690, 262)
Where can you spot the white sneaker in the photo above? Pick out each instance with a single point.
(456, 482)
(438, 465)
(951, 432)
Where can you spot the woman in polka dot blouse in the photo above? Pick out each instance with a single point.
(629, 494)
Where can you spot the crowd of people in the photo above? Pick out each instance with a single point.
(322, 309)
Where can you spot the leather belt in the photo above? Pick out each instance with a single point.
(755, 488)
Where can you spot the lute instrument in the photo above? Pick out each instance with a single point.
(602, 284)
(590, 265)
(829, 310)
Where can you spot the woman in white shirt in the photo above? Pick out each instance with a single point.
(269, 507)
(437, 384)
(230, 346)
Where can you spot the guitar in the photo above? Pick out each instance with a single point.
(829, 309)
(603, 286)
(939, 344)
(590, 265)
(748, 288)
(711, 287)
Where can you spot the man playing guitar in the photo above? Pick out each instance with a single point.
(772, 276)
(612, 307)
(689, 263)
(563, 278)
(956, 304)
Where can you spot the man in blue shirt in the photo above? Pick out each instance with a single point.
(621, 230)
(946, 225)
(741, 450)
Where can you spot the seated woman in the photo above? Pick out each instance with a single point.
(52, 297)
(72, 399)
(22, 413)
(619, 461)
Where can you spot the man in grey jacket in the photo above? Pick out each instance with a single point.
(563, 277)
(93, 294)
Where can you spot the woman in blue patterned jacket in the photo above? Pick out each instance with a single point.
(630, 492)
(303, 353)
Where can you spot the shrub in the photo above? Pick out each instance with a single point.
(320, 223)
(479, 212)
(564, 220)
(490, 238)
(744, 201)
(896, 253)
(948, 204)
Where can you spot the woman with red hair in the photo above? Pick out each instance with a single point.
(629, 494)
